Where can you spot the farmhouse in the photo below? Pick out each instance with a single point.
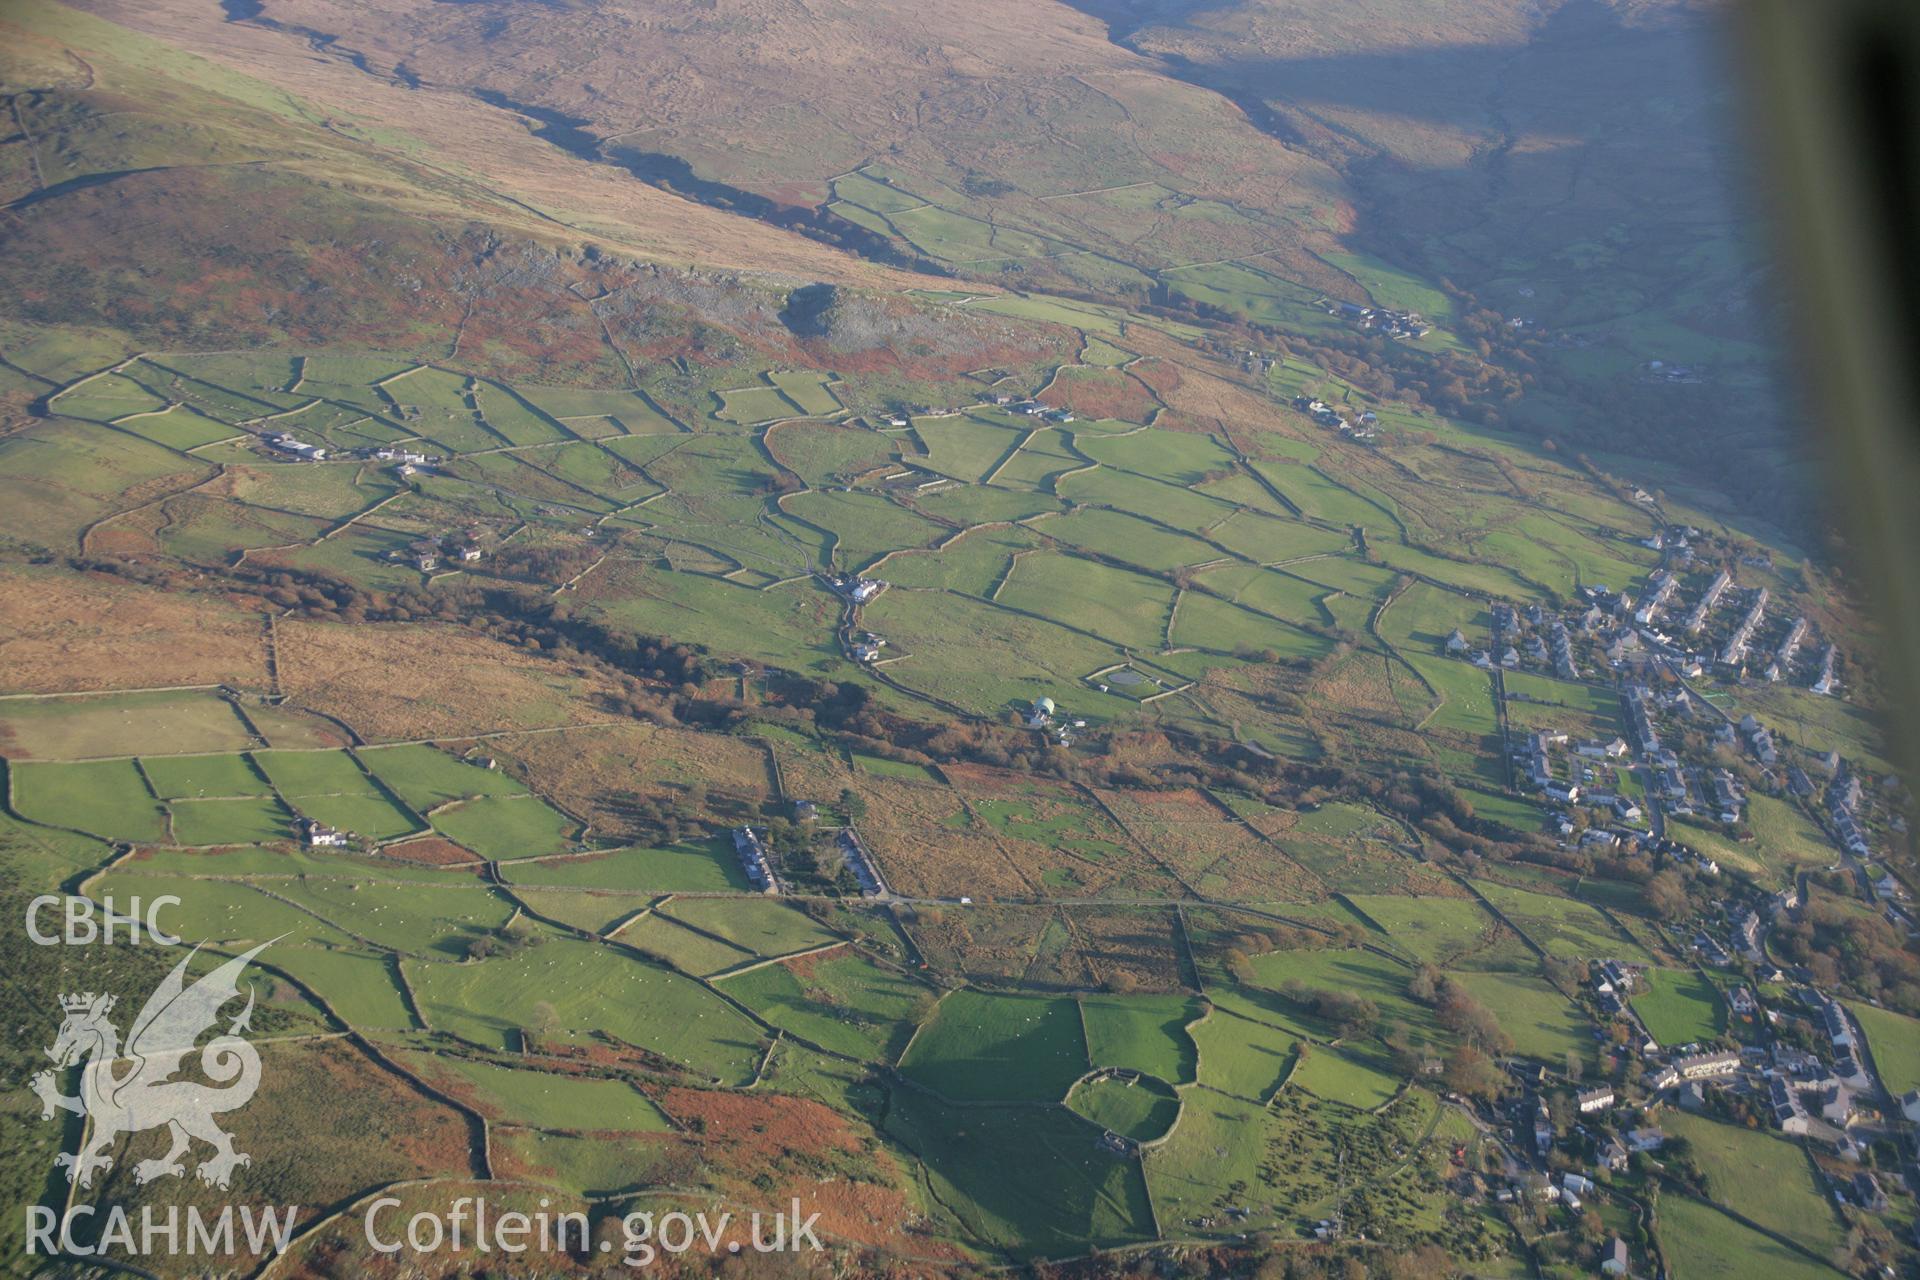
(856, 588)
(318, 835)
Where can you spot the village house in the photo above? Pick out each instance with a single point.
(1702, 1066)
(1789, 1114)
(1592, 1100)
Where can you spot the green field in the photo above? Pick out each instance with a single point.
(685, 949)
(1543, 1023)
(705, 867)
(1141, 1109)
(546, 1099)
(498, 826)
(842, 1002)
(1702, 1243)
(119, 724)
(1679, 1006)
(983, 1047)
(203, 777)
(1894, 1041)
(589, 989)
(1145, 1033)
(425, 776)
(1338, 1077)
(1762, 1175)
(754, 925)
(108, 798)
(1245, 1058)
(1437, 930)
(299, 774)
(1561, 926)
(1029, 1181)
(246, 821)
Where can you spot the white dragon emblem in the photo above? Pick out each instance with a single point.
(129, 1090)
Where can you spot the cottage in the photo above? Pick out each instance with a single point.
(752, 853)
(1592, 1100)
(1615, 1260)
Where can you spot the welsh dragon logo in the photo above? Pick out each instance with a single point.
(130, 1089)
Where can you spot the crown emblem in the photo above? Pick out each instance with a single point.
(84, 1001)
